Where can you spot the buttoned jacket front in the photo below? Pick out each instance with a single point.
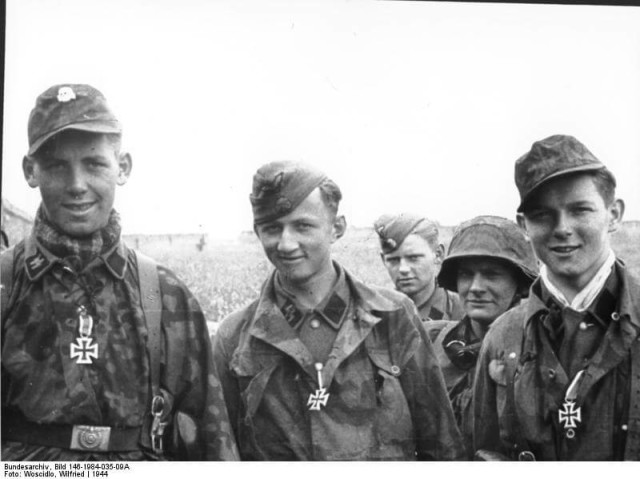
(387, 398)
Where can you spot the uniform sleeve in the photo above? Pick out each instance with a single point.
(189, 374)
(486, 432)
(221, 359)
(437, 435)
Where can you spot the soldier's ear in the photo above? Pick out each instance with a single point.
(616, 212)
(439, 254)
(28, 169)
(339, 227)
(125, 164)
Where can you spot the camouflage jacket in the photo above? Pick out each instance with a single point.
(520, 385)
(43, 385)
(387, 398)
(458, 377)
(443, 305)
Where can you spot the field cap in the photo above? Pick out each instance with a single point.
(69, 107)
(549, 158)
(393, 229)
(279, 187)
(489, 237)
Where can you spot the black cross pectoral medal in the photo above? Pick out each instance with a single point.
(320, 397)
(570, 414)
(84, 350)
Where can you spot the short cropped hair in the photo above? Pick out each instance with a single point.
(605, 184)
(331, 195)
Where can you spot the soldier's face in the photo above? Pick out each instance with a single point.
(413, 266)
(299, 244)
(77, 176)
(486, 287)
(568, 223)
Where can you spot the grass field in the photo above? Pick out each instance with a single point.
(225, 276)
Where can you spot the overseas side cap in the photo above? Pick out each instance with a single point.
(549, 158)
(69, 107)
(489, 237)
(392, 230)
(279, 187)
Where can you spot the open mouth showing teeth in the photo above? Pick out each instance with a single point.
(79, 208)
(564, 249)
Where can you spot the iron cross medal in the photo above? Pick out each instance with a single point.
(84, 349)
(570, 414)
(320, 396)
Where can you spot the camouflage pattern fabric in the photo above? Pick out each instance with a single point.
(605, 395)
(387, 399)
(442, 305)
(44, 384)
(458, 376)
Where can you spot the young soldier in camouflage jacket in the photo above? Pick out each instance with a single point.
(78, 350)
(322, 367)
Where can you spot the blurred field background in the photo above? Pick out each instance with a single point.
(227, 275)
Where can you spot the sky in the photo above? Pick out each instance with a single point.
(408, 106)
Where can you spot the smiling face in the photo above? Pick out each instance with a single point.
(413, 267)
(486, 286)
(569, 223)
(77, 173)
(299, 244)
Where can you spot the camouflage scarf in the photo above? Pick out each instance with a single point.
(76, 249)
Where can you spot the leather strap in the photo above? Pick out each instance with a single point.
(152, 307)
(16, 428)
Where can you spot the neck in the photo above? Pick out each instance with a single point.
(571, 286)
(424, 295)
(310, 292)
(479, 329)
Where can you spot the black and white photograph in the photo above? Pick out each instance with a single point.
(330, 231)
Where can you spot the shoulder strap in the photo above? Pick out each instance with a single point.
(151, 305)
(151, 302)
(6, 277)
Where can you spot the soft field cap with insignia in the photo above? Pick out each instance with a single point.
(69, 107)
(489, 237)
(393, 229)
(279, 187)
(549, 158)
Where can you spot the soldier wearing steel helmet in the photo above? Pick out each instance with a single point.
(412, 254)
(322, 366)
(491, 265)
(105, 353)
(558, 377)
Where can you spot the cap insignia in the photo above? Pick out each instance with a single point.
(66, 94)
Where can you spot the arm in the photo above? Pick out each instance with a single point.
(190, 376)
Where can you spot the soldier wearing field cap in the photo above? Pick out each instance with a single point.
(322, 366)
(490, 264)
(105, 353)
(558, 377)
(412, 254)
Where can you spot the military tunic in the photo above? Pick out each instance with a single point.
(530, 356)
(387, 399)
(43, 386)
(458, 368)
(442, 305)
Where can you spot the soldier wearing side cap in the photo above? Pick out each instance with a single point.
(412, 254)
(322, 366)
(558, 376)
(105, 353)
(490, 264)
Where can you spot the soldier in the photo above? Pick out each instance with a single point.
(412, 255)
(490, 264)
(321, 366)
(558, 376)
(105, 354)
